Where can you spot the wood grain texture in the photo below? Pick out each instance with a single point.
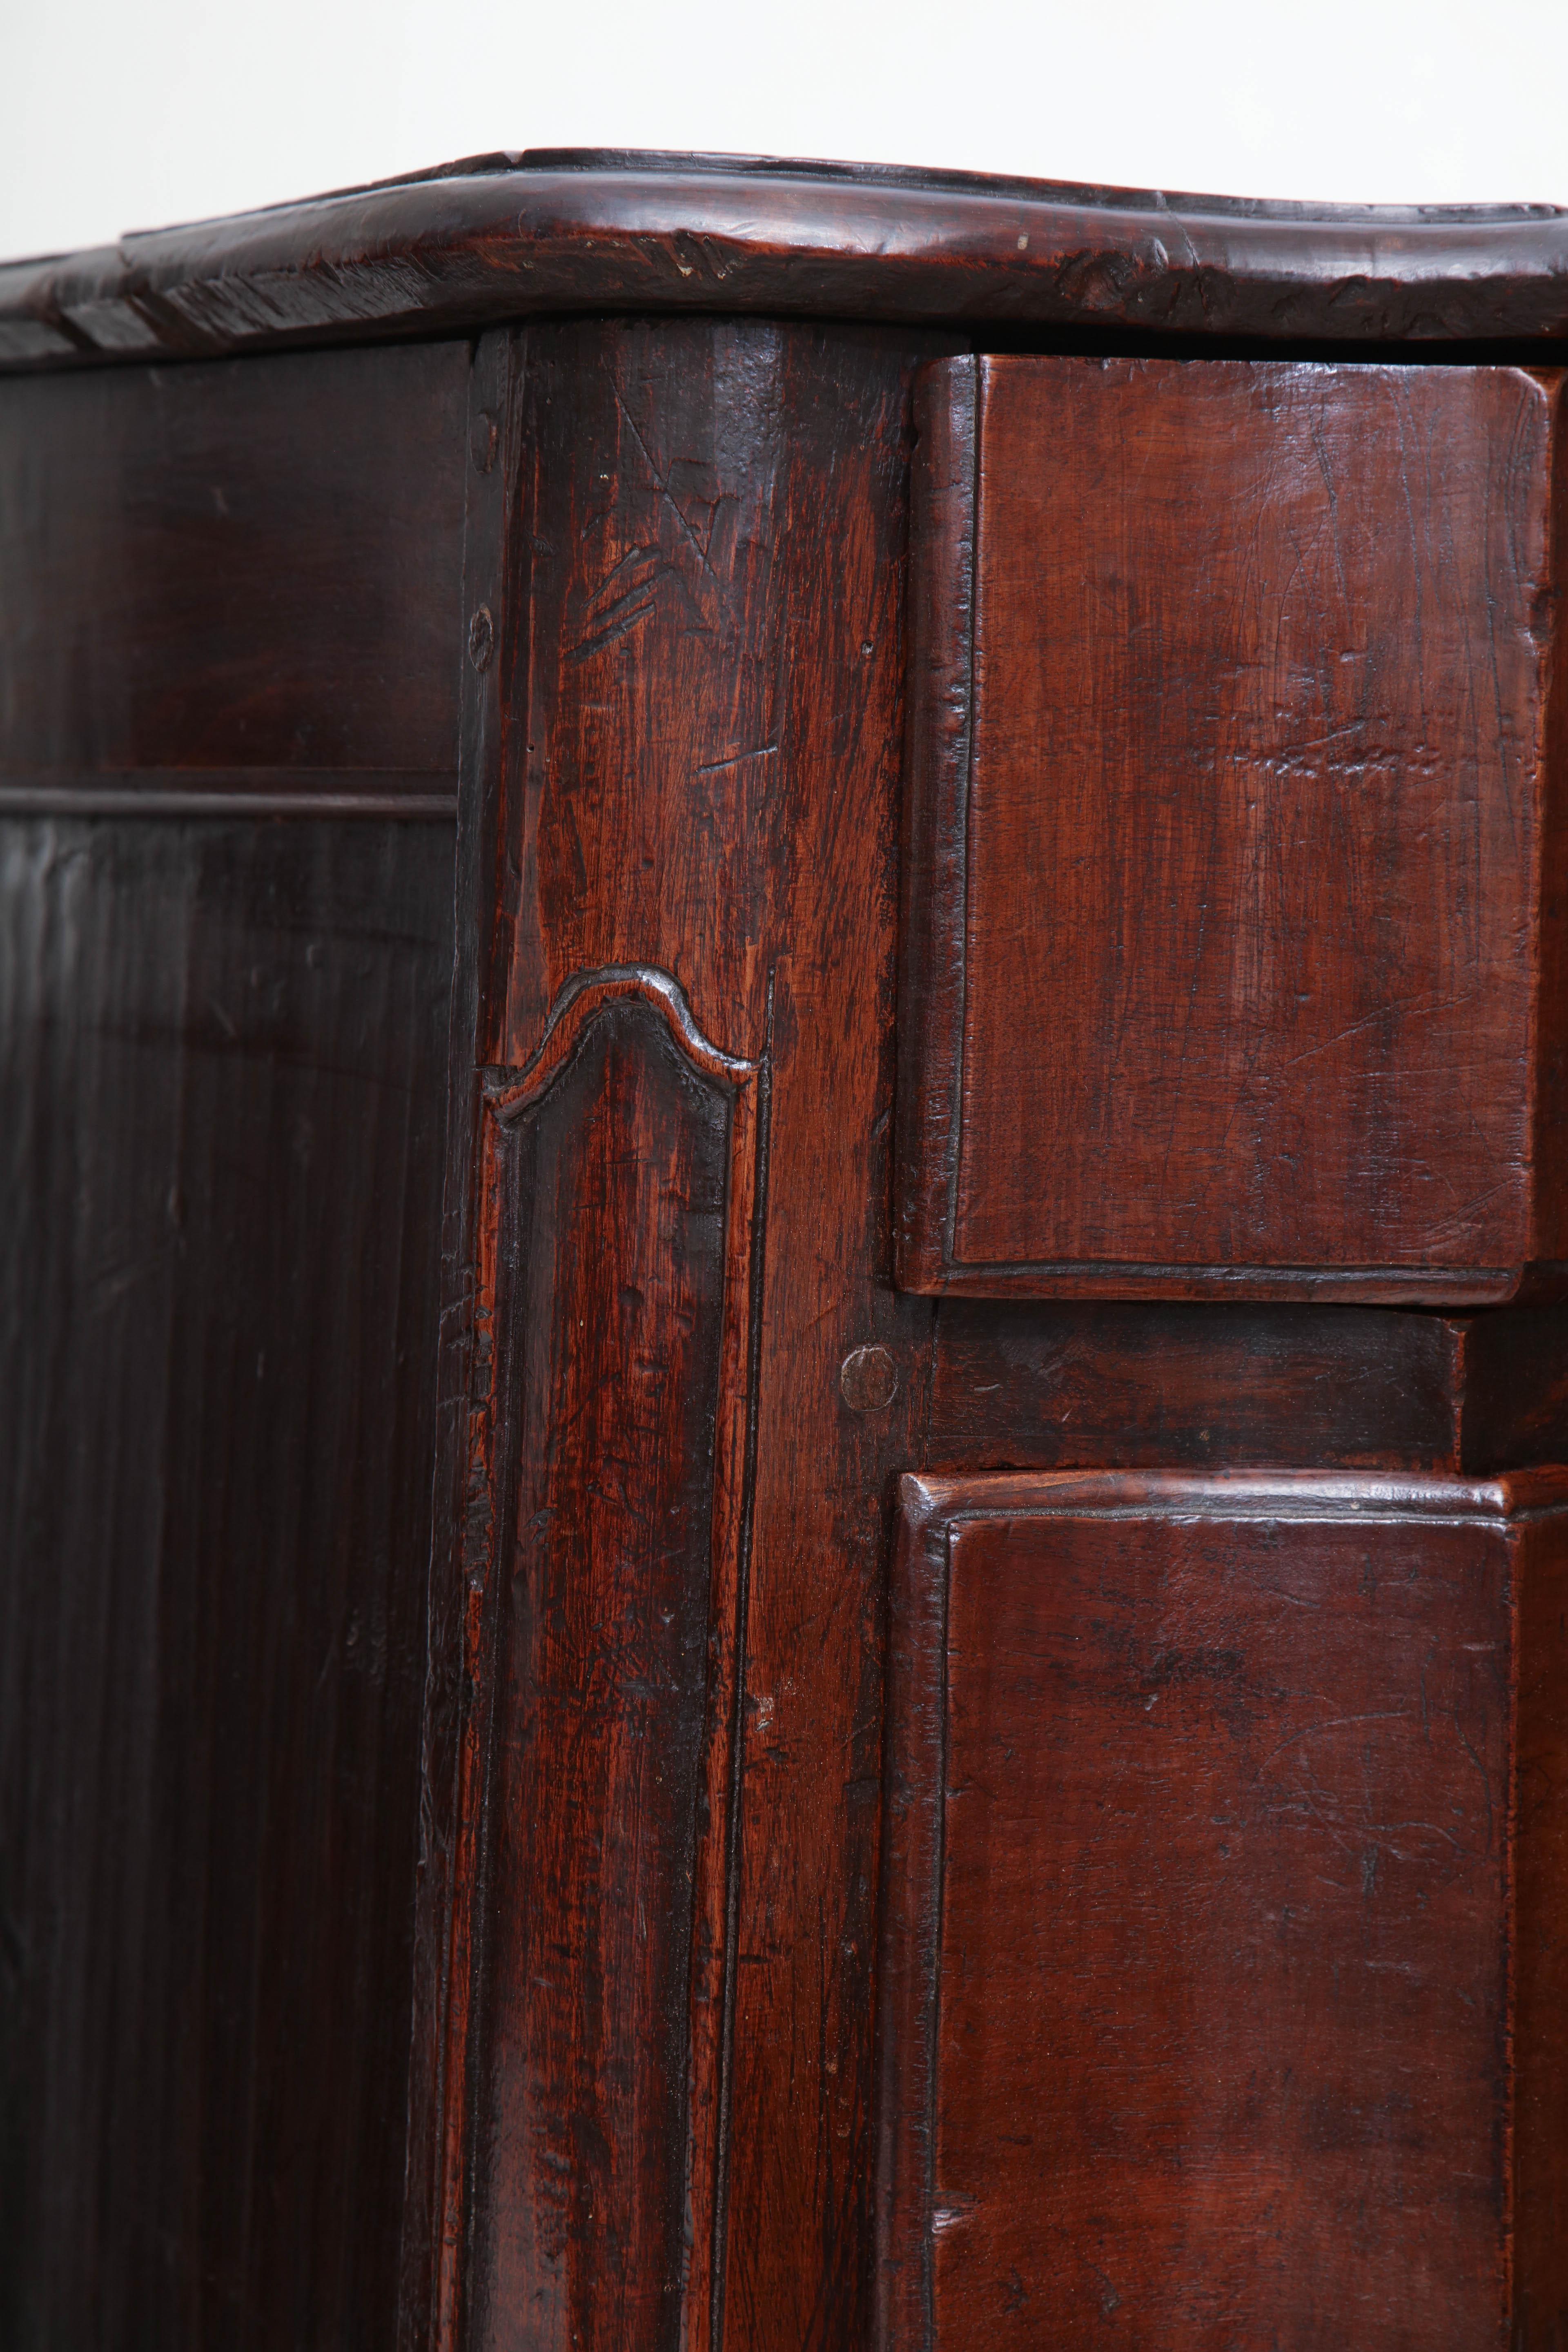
(631, 589)
(618, 1186)
(503, 236)
(1075, 1384)
(1225, 1820)
(221, 1108)
(1239, 978)
(234, 578)
(681, 795)
(662, 668)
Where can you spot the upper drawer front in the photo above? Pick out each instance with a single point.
(1233, 920)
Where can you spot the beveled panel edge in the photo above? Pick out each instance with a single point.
(926, 1500)
(578, 1005)
(938, 760)
(501, 236)
(508, 1102)
(1451, 1287)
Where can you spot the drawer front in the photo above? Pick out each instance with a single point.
(1215, 1827)
(1229, 964)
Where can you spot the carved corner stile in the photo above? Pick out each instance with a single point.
(592, 1934)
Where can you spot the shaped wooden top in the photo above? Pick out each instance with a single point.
(500, 237)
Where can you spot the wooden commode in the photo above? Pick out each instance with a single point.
(784, 1321)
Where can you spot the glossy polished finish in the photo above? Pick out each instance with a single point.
(618, 1181)
(467, 1742)
(1234, 935)
(1219, 1816)
(677, 800)
(503, 236)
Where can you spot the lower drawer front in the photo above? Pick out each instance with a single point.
(1222, 1867)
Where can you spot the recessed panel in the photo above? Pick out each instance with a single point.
(253, 572)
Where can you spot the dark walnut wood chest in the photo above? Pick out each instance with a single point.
(784, 1313)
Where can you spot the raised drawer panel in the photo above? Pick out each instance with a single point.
(1223, 1970)
(1232, 922)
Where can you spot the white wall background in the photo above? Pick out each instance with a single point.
(118, 114)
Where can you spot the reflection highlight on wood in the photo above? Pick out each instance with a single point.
(1222, 1989)
(1232, 947)
(619, 1168)
(1228, 1081)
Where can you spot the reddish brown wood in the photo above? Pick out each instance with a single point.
(1079, 1385)
(1232, 765)
(617, 1189)
(679, 795)
(503, 236)
(1515, 1402)
(1223, 1827)
(657, 565)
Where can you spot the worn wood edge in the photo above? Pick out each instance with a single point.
(1338, 1495)
(580, 1002)
(473, 246)
(710, 1987)
(1414, 1286)
(939, 732)
(910, 1928)
(435, 2275)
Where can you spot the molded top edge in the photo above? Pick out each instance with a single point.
(500, 237)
